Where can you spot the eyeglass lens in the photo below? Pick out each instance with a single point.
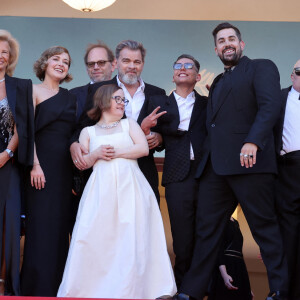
(119, 100)
(100, 63)
(178, 66)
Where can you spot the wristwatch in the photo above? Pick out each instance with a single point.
(10, 153)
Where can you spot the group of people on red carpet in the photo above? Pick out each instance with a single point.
(80, 163)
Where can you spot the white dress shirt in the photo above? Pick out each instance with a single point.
(291, 125)
(185, 107)
(133, 108)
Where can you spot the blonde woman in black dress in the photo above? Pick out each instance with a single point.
(16, 131)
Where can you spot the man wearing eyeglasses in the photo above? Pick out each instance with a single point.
(183, 130)
(130, 57)
(288, 183)
(100, 64)
(238, 164)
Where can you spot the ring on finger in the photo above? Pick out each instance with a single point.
(75, 161)
(251, 156)
(246, 155)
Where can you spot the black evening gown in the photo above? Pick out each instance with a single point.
(10, 205)
(231, 256)
(48, 211)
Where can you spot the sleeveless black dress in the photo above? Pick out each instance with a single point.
(48, 210)
(10, 205)
(231, 256)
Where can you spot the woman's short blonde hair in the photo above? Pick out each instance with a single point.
(102, 100)
(14, 49)
(41, 64)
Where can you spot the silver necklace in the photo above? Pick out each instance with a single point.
(103, 126)
(1, 80)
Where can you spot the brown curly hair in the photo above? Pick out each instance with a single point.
(102, 100)
(13, 51)
(41, 64)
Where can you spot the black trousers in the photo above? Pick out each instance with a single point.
(288, 207)
(181, 198)
(218, 197)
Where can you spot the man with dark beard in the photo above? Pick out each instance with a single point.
(238, 164)
(130, 57)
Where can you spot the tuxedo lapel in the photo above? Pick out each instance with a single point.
(11, 92)
(210, 105)
(225, 92)
(143, 113)
(172, 109)
(144, 110)
(284, 96)
(196, 112)
(236, 76)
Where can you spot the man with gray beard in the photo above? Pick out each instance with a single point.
(130, 57)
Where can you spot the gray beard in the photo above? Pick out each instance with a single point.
(130, 80)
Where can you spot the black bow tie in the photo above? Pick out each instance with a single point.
(227, 70)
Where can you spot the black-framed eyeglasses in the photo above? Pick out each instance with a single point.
(187, 66)
(297, 71)
(120, 99)
(100, 63)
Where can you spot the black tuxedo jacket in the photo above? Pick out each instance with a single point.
(146, 163)
(177, 142)
(19, 96)
(278, 130)
(81, 93)
(246, 113)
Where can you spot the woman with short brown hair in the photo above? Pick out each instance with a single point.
(49, 191)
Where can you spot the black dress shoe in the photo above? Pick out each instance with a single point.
(278, 295)
(181, 296)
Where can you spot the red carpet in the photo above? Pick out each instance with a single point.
(48, 298)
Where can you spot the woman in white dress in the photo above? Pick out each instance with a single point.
(118, 247)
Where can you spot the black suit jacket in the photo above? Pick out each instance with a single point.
(246, 113)
(81, 93)
(146, 163)
(278, 130)
(177, 142)
(19, 96)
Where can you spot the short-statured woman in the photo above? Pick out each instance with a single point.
(118, 247)
(49, 191)
(16, 131)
